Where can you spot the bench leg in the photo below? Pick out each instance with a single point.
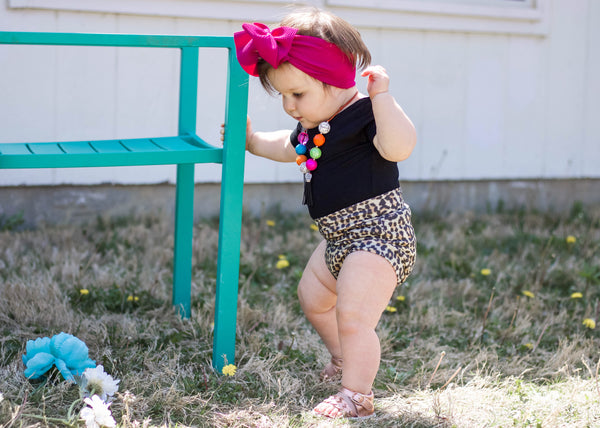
(228, 264)
(230, 221)
(182, 252)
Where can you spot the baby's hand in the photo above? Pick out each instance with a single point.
(379, 81)
(248, 131)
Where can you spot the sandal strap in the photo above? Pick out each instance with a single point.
(362, 403)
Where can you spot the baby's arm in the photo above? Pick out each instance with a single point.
(396, 136)
(275, 145)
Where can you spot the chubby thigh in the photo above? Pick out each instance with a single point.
(365, 285)
(317, 287)
(360, 293)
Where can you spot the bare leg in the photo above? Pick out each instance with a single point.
(317, 295)
(365, 285)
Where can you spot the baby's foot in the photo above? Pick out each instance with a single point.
(347, 404)
(332, 371)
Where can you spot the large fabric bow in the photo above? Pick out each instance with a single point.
(316, 57)
(257, 41)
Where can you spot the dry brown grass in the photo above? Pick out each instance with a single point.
(454, 355)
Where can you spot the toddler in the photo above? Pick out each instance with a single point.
(347, 146)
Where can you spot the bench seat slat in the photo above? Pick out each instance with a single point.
(141, 145)
(174, 143)
(14, 149)
(45, 148)
(77, 147)
(140, 151)
(108, 146)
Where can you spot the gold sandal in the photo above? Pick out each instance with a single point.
(347, 404)
(332, 371)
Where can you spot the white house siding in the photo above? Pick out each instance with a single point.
(498, 89)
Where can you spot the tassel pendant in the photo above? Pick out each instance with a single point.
(307, 200)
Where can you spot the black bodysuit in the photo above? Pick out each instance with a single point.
(350, 169)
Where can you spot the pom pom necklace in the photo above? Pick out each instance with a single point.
(307, 159)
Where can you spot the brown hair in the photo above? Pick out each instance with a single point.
(327, 26)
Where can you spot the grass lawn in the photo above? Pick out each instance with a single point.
(493, 329)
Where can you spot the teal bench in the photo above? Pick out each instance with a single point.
(184, 150)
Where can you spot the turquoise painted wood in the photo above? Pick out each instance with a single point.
(184, 150)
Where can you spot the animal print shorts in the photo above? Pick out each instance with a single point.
(379, 225)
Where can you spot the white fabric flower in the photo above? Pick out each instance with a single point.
(98, 414)
(96, 382)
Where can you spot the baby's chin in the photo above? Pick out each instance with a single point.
(307, 124)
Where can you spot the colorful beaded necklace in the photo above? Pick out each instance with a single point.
(309, 163)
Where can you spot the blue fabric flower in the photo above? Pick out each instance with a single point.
(65, 351)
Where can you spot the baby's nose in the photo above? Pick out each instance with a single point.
(289, 105)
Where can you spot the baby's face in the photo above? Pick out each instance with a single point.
(303, 97)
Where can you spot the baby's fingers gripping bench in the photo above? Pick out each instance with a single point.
(184, 150)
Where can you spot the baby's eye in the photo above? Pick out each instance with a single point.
(297, 94)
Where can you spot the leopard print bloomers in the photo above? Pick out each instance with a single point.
(380, 225)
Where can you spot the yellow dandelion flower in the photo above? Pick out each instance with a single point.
(130, 298)
(401, 298)
(576, 295)
(270, 223)
(229, 370)
(571, 239)
(136, 299)
(282, 264)
(485, 271)
(391, 309)
(528, 294)
(84, 291)
(282, 257)
(529, 345)
(589, 323)
(314, 227)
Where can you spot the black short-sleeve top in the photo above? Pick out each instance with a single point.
(350, 168)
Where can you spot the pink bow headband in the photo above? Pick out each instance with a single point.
(316, 57)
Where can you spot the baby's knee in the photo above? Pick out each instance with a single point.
(350, 320)
(302, 292)
(306, 287)
(314, 297)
